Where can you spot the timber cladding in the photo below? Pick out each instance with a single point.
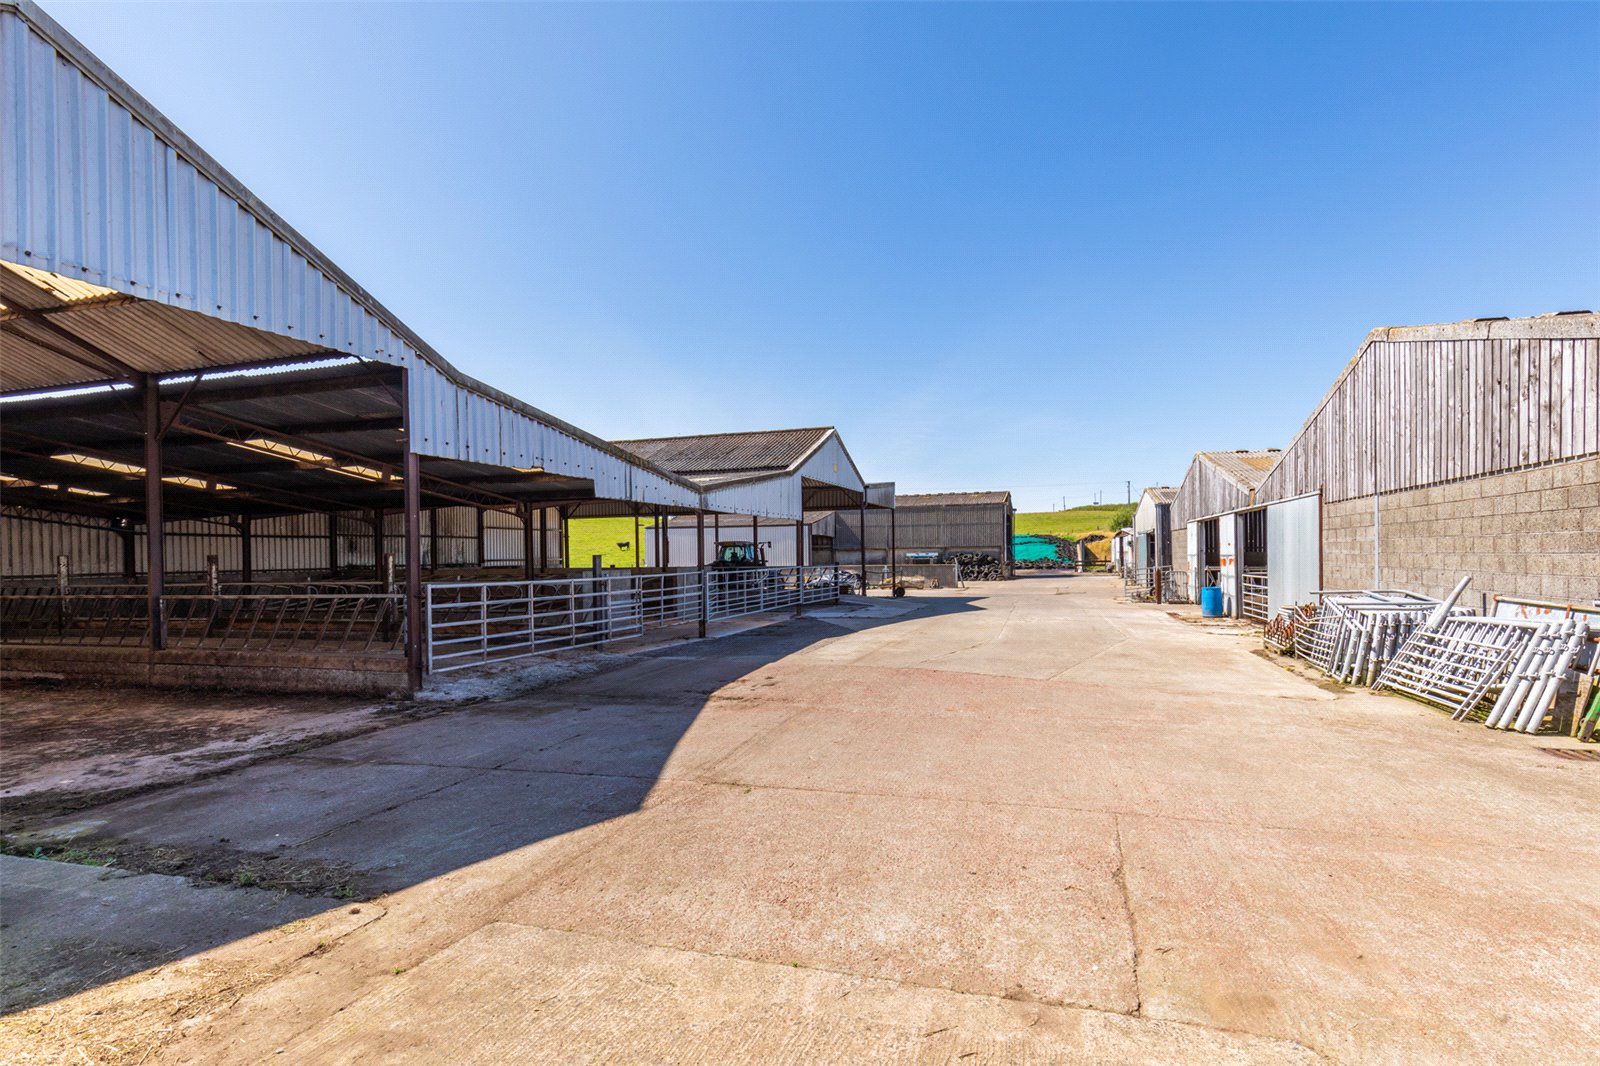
(1423, 406)
(1529, 533)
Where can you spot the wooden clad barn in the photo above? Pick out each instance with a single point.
(1465, 448)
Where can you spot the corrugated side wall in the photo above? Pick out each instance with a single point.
(279, 544)
(28, 548)
(970, 527)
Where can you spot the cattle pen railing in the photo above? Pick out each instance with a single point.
(1155, 584)
(471, 623)
(302, 620)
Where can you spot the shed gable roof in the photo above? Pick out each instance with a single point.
(950, 499)
(729, 453)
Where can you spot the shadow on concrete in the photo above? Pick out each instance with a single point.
(306, 832)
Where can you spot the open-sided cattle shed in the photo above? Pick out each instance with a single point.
(179, 361)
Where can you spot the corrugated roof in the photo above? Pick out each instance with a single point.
(729, 453)
(1244, 467)
(949, 499)
(1162, 493)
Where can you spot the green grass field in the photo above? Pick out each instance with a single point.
(1076, 521)
(600, 536)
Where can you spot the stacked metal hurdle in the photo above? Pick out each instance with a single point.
(1459, 663)
(1356, 633)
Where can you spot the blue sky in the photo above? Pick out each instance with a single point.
(1048, 248)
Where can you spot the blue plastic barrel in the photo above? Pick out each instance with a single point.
(1211, 602)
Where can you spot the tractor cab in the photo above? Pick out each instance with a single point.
(740, 554)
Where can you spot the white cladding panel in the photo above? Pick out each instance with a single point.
(1228, 538)
(774, 497)
(1294, 551)
(831, 464)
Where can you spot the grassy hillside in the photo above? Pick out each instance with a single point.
(600, 536)
(1076, 521)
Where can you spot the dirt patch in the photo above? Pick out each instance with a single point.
(215, 865)
(1303, 669)
(73, 747)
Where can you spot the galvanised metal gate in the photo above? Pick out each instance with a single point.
(1253, 594)
(470, 623)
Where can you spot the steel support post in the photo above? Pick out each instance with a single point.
(894, 562)
(638, 549)
(413, 505)
(666, 543)
(481, 563)
(861, 512)
(247, 566)
(433, 540)
(700, 565)
(529, 532)
(333, 544)
(376, 519)
(544, 538)
(799, 564)
(154, 519)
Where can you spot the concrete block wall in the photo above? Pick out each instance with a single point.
(1529, 532)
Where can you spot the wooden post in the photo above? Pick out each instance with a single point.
(154, 518)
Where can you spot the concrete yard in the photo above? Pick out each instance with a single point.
(1024, 821)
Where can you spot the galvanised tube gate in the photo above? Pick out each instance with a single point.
(471, 623)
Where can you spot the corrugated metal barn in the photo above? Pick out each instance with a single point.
(1152, 527)
(942, 522)
(1205, 549)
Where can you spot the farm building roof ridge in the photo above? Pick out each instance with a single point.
(726, 453)
(949, 499)
(1245, 467)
